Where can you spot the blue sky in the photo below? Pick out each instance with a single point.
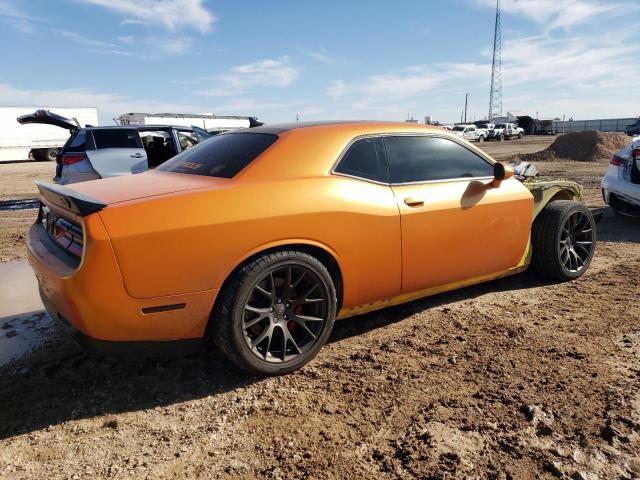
(320, 60)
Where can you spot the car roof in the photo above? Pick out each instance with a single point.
(278, 128)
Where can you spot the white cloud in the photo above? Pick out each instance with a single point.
(18, 20)
(407, 83)
(172, 14)
(321, 56)
(557, 13)
(586, 75)
(279, 72)
(108, 104)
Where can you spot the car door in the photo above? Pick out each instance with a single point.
(470, 133)
(455, 225)
(117, 151)
(375, 221)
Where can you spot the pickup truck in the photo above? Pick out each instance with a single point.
(505, 131)
(470, 132)
(633, 129)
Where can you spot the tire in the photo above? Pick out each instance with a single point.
(501, 137)
(258, 288)
(563, 239)
(481, 139)
(520, 136)
(44, 154)
(51, 154)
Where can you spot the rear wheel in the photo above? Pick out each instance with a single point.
(481, 139)
(563, 240)
(276, 312)
(519, 136)
(501, 137)
(45, 154)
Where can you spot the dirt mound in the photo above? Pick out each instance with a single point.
(589, 146)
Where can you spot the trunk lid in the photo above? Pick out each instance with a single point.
(143, 185)
(49, 118)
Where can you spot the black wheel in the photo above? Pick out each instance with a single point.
(51, 154)
(501, 137)
(275, 313)
(563, 240)
(519, 136)
(481, 139)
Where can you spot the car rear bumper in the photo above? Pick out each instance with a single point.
(91, 300)
(122, 348)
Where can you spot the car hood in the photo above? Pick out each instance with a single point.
(144, 185)
(49, 118)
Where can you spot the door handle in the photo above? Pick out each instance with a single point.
(136, 155)
(414, 202)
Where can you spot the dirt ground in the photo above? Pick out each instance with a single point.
(516, 378)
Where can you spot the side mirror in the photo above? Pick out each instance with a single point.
(501, 171)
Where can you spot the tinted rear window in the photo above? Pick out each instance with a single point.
(116, 138)
(221, 156)
(78, 143)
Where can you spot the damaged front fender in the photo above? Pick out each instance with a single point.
(545, 191)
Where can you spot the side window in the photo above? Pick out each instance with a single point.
(78, 143)
(365, 159)
(423, 158)
(116, 138)
(187, 139)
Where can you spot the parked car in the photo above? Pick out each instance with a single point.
(621, 181)
(505, 131)
(91, 153)
(263, 237)
(633, 129)
(470, 132)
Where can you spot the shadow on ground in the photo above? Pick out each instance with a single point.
(58, 381)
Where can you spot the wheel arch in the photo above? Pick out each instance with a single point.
(327, 256)
(546, 192)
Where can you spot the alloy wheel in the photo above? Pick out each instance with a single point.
(285, 313)
(575, 247)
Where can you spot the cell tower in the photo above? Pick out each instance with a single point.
(495, 95)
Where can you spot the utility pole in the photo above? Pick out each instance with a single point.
(466, 101)
(495, 94)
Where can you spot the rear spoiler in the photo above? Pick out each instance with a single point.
(69, 199)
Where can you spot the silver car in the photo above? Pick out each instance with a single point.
(92, 152)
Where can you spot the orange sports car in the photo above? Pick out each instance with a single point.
(262, 237)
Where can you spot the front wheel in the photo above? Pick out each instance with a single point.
(520, 136)
(481, 139)
(563, 239)
(276, 312)
(501, 137)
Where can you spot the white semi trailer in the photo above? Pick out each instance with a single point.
(208, 121)
(37, 141)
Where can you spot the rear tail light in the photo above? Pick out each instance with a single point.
(616, 160)
(71, 158)
(64, 232)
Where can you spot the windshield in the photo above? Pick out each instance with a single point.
(223, 155)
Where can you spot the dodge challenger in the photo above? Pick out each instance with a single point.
(262, 238)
